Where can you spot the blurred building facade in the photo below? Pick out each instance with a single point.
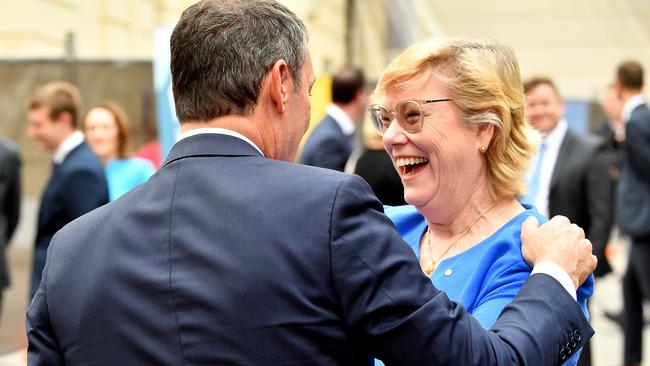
(574, 42)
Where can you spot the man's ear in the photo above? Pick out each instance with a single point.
(65, 117)
(361, 96)
(278, 88)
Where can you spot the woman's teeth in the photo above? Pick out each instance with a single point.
(408, 165)
(410, 161)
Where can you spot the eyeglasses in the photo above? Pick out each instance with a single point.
(409, 115)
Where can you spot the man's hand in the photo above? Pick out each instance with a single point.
(561, 242)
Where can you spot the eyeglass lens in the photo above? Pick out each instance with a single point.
(408, 114)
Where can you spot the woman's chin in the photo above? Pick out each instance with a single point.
(413, 198)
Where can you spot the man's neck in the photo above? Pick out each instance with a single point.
(627, 94)
(242, 125)
(67, 144)
(350, 109)
(62, 139)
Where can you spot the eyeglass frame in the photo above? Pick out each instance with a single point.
(419, 102)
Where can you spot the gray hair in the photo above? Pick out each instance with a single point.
(221, 50)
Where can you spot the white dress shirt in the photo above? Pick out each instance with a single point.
(221, 131)
(69, 144)
(552, 142)
(342, 119)
(629, 106)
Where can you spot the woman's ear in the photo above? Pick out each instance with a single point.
(484, 135)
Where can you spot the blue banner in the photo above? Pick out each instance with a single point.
(168, 126)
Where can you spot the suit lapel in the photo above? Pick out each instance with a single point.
(563, 157)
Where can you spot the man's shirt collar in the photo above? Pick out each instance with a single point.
(69, 144)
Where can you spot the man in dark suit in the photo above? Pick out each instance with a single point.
(77, 183)
(332, 141)
(633, 205)
(9, 204)
(566, 178)
(612, 133)
(230, 254)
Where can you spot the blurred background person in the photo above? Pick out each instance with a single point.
(452, 117)
(77, 182)
(108, 133)
(151, 152)
(612, 133)
(633, 205)
(374, 165)
(612, 130)
(9, 205)
(332, 141)
(567, 178)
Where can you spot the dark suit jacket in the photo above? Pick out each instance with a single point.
(633, 196)
(376, 168)
(581, 191)
(225, 257)
(9, 202)
(327, 146)
(76, 186)
(611, 156)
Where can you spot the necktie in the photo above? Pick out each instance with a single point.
(533, 186)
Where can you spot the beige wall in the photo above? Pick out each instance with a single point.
(325, 20)
(123, 29)
(578, 43)
(103, 29)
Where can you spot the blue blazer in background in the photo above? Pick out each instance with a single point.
(327, 146)
(225, 257)
(76, 186)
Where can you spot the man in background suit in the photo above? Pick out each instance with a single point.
(633, 205)
(332, 141)
(231, 254)
(77, 183)
(566, 178)
(612, 133)
(9, 204)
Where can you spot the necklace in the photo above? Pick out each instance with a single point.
(428, 270)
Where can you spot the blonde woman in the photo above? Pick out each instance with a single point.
(451, 113)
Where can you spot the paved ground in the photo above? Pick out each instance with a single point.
(606, 346)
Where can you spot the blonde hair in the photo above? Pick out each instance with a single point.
(484, 82)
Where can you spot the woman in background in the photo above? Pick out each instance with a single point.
(108, 132)
(451, 113)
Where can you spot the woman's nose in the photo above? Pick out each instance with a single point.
(394, 134)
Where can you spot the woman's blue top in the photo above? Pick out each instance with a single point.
(125, 174)
(486, 277)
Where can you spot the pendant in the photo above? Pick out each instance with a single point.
(428, 270)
